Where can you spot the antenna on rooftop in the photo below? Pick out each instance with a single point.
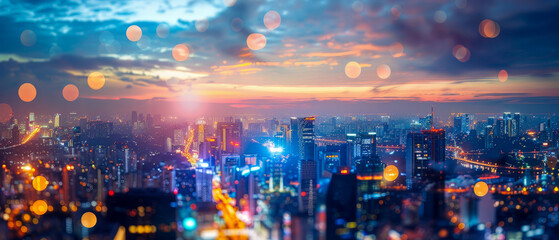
(432, 116)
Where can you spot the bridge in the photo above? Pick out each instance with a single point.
(460, 157)
(26, 139)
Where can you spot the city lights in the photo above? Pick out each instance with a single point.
(246, 120)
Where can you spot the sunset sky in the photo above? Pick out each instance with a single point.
(436, 52)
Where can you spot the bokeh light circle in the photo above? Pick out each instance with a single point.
(89, 220)
(6, 112)
(40, 183)
(28, 38)
(134, 33)
(383, 71)
(440, 16)
(40, 207)
(272, 20)
(489, 29)
(391, 173)
(180, 52)
(237, 24)
(229, 3)
(256, 41)
(70, 92)
(27, 92)
(162, 30)
(352, 69)
(503, 76)
(202, 25)
(96, 80)
(481, 189)
(461, 53)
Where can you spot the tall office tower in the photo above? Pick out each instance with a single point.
(489, 136)
(361, 145)
(204, 178)
(276, 174)
(141, 117)
(499, 130)
(462, 123)
(341, 205)
(31, 122)
(200, 134)
(308, 193)
(425, 156)
(305, 138)
(57, 120)
(294, 132)
(510, 125)
(229, 164)
(208, 150)
(134, 117)
(229, 137)
(15, 134)
(518, 123)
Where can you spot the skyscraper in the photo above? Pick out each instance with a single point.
(341, 205)
(462, 123)
(302, 137)
(425, 154)
(134, 116)
(518, 125)
(229, 137)
(361, 145)
(307, 187)
(204, 176)
(57, 120)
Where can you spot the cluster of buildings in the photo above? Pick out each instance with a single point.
(331, 177)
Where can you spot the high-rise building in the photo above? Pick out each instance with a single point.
(57, 120)
(462, 123)
(15, 134)
(518, 123)
(204, 178)
(308, 193)
(302, 137)
(341, 205)
(134, 116)
(229, 137)
(425, 155)
(489, 136)
(361, 145)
